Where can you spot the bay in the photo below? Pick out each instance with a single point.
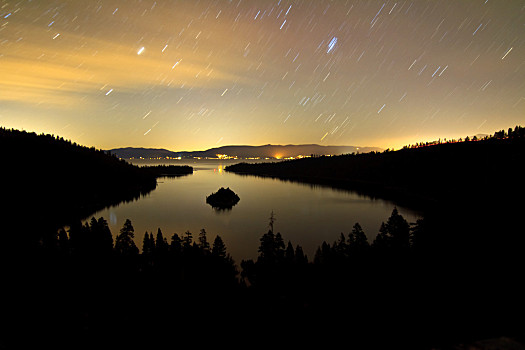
(305, 215)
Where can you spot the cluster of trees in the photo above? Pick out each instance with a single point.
(152, 246)
(58, 181)
(396, 237)
(416, 177)
(83, 284)
(405, 282)
(423, 283)
(451, 276)
(458, 266)
(93, 241)
(517, 132)
(276, 263)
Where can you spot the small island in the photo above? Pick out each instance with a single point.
(224, 198)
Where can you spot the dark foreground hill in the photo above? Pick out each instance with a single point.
(51, 181)
(447, 172)
(454, 276)
(265, 151)
(471, 190)
(468, 267)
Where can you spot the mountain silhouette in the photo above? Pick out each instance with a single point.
(243, 151)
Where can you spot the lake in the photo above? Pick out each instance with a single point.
(304, 214)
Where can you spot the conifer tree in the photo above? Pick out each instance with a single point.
(104, 237)
(218, 248)
(124, 244)
(279, 247)
(290, 253)
(399, 230)
(161, 245)
(394, 234)
(341, 246)
(148, 244)
(382, 240)
(266, 249)
(187, 240)
(357, 239)
(176, 244)
(300, 257)
(271, 221)
(203, 241)
(318, 256)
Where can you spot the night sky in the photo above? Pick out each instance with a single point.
(191, 75)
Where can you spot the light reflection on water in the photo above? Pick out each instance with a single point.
(305, 215)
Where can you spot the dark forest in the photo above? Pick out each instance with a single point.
(453, 277)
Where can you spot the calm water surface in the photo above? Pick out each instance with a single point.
(305, 215)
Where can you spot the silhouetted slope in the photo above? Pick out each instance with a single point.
(49, 180)
(138, 152)
(463, 282)
(452, 277)
(443, 172)
(469, 193)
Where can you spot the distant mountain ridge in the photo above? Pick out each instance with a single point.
(242, 151)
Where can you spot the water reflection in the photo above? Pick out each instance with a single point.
(220, 211)
(305, 214)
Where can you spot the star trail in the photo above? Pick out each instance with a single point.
(189, 75)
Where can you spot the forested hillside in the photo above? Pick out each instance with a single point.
(462, 277)
(51, 181)
(418, 175)
(469, 191)
(452, 277)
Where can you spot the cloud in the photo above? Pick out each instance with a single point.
(56, 72)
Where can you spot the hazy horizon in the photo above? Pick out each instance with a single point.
(197, 75)
(238, 145)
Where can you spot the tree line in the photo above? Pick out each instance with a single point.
(95, 239)
(452, 276)
(93, 242)
(419, 177)
(278, 261)
(407, 282)
(184, 259)
(58, 181)
(417, 285)
(517, 133)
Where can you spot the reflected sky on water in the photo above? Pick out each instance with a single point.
(305, 215)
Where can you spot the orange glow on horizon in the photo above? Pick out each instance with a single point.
(199, 75)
